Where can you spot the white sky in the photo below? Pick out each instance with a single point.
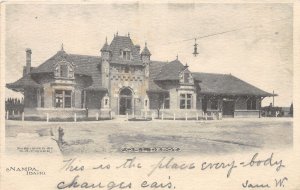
(260, 55)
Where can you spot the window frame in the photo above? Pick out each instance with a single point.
(69, 74)
(186, 101)
(63, 97)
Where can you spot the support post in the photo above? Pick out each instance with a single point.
(162, 115)
(127, 115)
(174, 117)
(75, 117)
(146, 114)
(185, 116)
(97, 116)
(23, 116)
(47, 117)
(205, 115)
(152, 116)
(13, 112)
(197, 116)
(111, 116)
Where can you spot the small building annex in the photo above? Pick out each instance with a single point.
(125, 80)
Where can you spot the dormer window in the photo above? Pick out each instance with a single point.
(125, 54)
(186, 77)
(64, 70)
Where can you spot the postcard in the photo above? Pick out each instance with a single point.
(143, 95)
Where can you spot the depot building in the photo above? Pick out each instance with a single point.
(124, 80)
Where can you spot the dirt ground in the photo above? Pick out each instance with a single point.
(191, 137)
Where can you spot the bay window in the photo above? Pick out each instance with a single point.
(185, 101)
(63, 98)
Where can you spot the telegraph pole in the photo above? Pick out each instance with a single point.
(273, 98)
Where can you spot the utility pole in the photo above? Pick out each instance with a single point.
(273, 98)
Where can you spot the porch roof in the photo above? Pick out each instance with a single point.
(226, 84)
(25, 81)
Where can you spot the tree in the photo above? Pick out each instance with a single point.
(159, 100)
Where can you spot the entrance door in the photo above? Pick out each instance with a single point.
(228, 108)
(125, 102)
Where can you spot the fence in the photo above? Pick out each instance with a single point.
(14, 106)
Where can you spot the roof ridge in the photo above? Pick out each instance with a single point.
(212, 73)
(98, 56)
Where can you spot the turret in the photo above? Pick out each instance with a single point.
(105, 51)
(145, 55)
(105, 56)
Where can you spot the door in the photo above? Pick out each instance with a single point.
(125, 102)
(228, 108)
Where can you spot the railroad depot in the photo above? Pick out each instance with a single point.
(124, 80)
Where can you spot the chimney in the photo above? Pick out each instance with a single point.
(138, 48)
(28, 60)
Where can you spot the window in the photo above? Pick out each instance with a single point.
(167, 101)
(64, 70)
(214, 104)
(63, 98)
(186, 77)
(126, 55)
(185, 101)
(251, 104)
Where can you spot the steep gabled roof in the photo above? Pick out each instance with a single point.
(226, 84)
(170, 71)
(146, 51)
(80, 61)
(121, 43)
(154, 68)
(84, 65)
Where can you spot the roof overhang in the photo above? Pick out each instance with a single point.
(236, 94)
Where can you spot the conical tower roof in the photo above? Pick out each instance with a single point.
(146, 51)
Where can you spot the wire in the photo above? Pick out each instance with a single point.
(224, 32)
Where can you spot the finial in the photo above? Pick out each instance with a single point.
(117, 33)
(128, 34)
(62, 47)
(145, 44)
(106, 39)
(177, 56)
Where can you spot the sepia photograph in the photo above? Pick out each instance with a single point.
(148, 78)
(149, 95)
